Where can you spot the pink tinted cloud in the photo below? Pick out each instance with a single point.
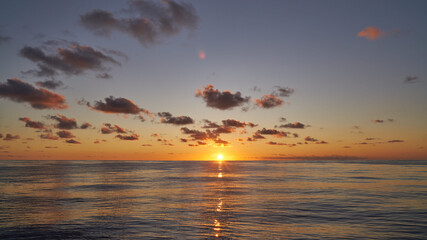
(371, 33)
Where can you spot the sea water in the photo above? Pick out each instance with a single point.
(213, 200)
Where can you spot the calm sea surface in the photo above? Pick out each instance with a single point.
(209, 200)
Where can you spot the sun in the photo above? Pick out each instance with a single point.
(220, 157)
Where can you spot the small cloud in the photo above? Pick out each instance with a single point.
(293, 125)
(32, 124)
(210, 124)
(395, 141)
(282, 119)
(72, 141)
(411, 79)
(10, 137)
(64, 122)
(269, 101)
(49, 136)
(276, 143)
(202, 54)
(378, 121)
(167, 118)
(128, 137)
(19, 91)
(65, 134)
(283, 91)
(221, 100)
(104, 76)
(50, 84)
(116, 105)
(237, 124)
(4, 39)
(109, 128)
(310, 139)
(273, 132)
(146, 145)
(85, 125)
(371, 33)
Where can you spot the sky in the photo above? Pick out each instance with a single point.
(192, 80)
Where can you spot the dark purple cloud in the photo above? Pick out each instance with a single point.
(116, 105)
(85, 125)
(50, 84)
(411, 79)
(221, 100)
(310, 139)
(237, 124)
(157, 20)
(19, 91)
(73, 60)
(396, 141)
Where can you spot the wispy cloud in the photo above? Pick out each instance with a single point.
(157, 20)
(371, 33)
(50, 84)
(73, 60)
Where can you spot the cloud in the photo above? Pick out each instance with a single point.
(322, 142)
(157, 20)
(10, 137)
(167, 117)
(269, 101)
(378, 121)
(49, 136)
(4, 39)
(72, 141)
(73, 60)
(85, 125)
(116, 105)
(371, 33)
(104, 76)
(108, 128)
(293, 125)
(221, 100)
(210, 124)
(128, 137)
(183, 140)
(220, 142)
(395, 141)
(283, 91)
(199, 135)
(146, 145)
(273, 132)
(276, 143)
(50, 84)
(411, 79)
(202, 54)
(65, 134)
(19, 91)
(282, 119)
(32, 124)
(237, 124)
(310, 139)
(64, 122)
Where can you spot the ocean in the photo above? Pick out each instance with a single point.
(213, 200)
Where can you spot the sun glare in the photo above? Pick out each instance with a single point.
(220, 157)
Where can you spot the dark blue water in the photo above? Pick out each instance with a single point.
(208, 200)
